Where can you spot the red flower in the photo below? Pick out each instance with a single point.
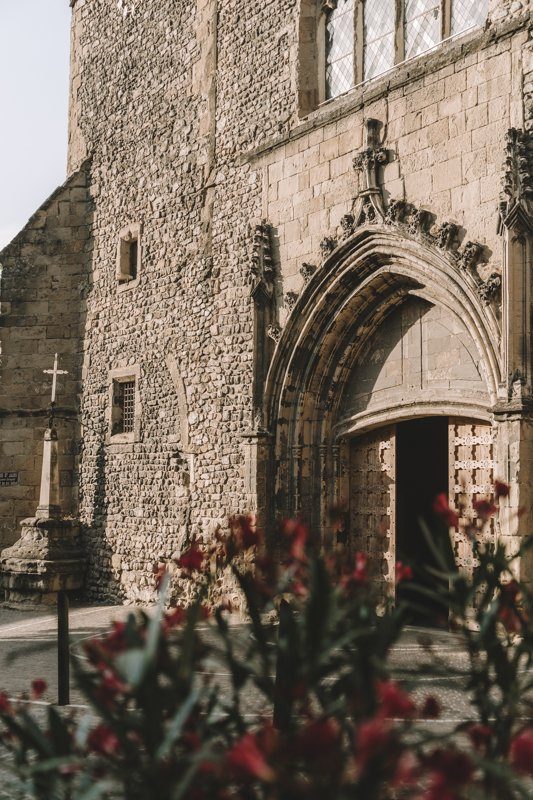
(373, 739)
(247, 759)
(102, 740)
(522, 751)
(359, 576)
(441, 507)
(510, 592)
(245, 532)
(5, 705)
(191, 560)
(407, 770)
(318, 739)
(450, 770)
(479, 735)
(431, 708)
(501, 489)
(174, 617)
(394, 702)
(38, 688)
(298, 533)
(484, 508)
(403, 572)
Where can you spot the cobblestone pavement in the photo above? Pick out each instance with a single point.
(28, 650)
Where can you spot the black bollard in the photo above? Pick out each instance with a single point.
(283, 681)
(63, 664)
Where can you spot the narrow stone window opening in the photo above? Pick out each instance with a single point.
(128, 257)
(123, 406)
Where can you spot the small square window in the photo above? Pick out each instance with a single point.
(128, 256)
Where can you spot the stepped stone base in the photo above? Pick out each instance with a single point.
(47, 558)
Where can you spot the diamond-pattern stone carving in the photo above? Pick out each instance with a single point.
(339, 49)
(422, 26)
(379, 16)
(468, 14)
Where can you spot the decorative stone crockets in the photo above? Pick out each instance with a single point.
(48, 557)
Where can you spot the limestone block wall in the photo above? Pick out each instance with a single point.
(43, 289)
(444, 125)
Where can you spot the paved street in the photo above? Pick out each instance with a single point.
(28, 650)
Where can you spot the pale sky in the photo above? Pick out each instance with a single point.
(34, 69)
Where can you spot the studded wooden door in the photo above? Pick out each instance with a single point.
(471, 465)
(373, 501)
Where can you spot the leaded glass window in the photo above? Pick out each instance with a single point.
(468, 14)
(422, 26)
(379, 24)
(366, 38)
(340, 49)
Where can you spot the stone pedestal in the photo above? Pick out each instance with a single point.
(46, 559)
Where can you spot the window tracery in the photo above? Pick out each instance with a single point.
(366, 38)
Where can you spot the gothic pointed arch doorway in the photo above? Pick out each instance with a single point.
(387, 333)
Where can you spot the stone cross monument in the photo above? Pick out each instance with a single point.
(48, 556)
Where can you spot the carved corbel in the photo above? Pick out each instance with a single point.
(446, 236)
(327, 246)
(418, 221)
(307, 271)
(395, 212)
(290, 301)
(274, 332)
(347, 226)
(489, 290)
(469, 256)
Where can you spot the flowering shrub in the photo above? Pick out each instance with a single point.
(312, 709)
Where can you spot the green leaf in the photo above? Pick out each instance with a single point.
(176, 726)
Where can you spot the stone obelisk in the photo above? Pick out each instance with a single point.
(48, 556)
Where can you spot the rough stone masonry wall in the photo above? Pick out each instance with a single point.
(43, 290)
(145, 109)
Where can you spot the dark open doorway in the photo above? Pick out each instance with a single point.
(421, 474)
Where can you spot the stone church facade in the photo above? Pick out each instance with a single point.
(290, 268)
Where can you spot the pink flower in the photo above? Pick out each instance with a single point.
(403, 572)
(394, 702)
(441, 507)
(246, 758)
(522, 751)
(38, 688)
